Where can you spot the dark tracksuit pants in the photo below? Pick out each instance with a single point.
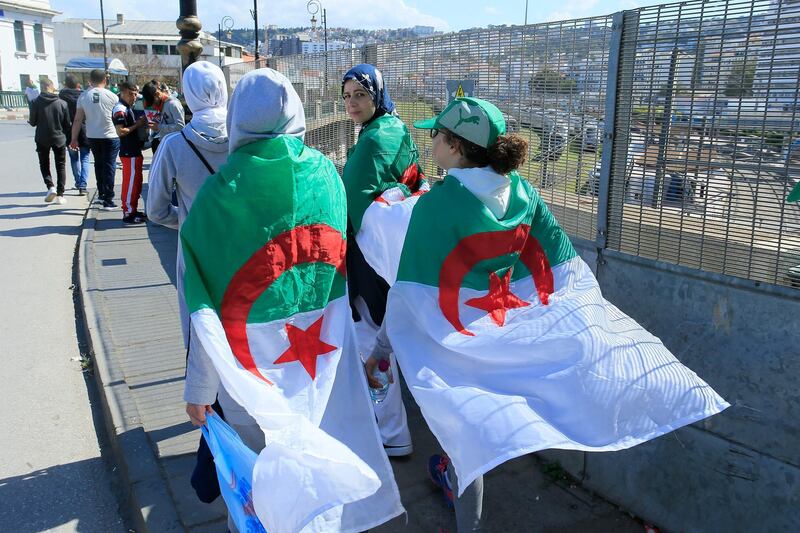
(105, 166)
(60, 153)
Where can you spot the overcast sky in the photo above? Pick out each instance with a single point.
(445, 15)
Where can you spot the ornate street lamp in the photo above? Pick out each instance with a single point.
(313, 8)
(189, 26)
(225, 24)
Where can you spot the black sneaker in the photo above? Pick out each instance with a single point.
(133, 218)
(140, 214)
(109, 205)
(81, 192)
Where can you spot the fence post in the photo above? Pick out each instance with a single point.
(370, 54)
(619, 86)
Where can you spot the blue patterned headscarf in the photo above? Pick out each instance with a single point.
(371, 79)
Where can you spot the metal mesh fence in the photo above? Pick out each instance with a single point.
(708, 93)
(701, 145)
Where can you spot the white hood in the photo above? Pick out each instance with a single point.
(206, 94)
(491, 188)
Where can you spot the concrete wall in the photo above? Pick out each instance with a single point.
(740, 470)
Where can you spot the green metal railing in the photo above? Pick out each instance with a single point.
(13, 100)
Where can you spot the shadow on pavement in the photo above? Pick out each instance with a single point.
(48, 498)
(28, 194)
(75, 211)
(40, 231)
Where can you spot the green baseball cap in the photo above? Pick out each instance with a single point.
(476, 120)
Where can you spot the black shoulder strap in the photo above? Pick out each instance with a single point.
(197, 152)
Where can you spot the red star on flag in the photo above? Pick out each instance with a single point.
(305, 346)
(499, 300)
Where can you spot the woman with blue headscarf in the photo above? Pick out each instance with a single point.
(385, 154)
(383, 157)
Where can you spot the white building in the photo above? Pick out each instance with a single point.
(314, 47)
(652, 71)
(148, 48)
(776, 77)
(27, 49)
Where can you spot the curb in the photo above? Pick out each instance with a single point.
(11, 115)
(151, 505)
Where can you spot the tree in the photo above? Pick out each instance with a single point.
(740, 81)
(551, 80)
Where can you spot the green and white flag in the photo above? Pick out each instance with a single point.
(264, 247)
(504, 337)
(794, 196)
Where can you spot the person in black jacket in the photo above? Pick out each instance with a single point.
(50, 117)
(79, 159)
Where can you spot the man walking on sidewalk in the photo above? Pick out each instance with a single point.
(130, 151)
(79, 159)
(95, 106)
(50, 116)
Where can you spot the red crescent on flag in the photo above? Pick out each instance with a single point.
(315, 243)
(481, 246)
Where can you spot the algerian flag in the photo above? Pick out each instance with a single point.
(505, 340)
(264, 248)
(384, 157)
(794, 196)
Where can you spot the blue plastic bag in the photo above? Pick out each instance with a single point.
(234, 462)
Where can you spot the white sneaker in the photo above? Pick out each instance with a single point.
(398, 451)
(60, 200)
(51, 195)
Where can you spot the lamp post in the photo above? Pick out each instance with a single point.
(189, 26)
(313, 8)
(103, 24)
(254, 14)
(225, 24)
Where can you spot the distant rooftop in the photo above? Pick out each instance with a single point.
(133, 27)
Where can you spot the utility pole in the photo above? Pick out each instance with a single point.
(254, 13)
(189, 27)
(103, 24)
(325, 33)
(663, 139)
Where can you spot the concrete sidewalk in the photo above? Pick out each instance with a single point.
(127, 276)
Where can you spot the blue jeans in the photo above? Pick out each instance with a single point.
(79, 159)
(105, 153)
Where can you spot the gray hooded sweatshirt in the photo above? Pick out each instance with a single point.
(176, 164)
(264, 105)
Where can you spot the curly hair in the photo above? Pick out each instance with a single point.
(506, 154)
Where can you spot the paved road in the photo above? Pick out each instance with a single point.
(52, 475)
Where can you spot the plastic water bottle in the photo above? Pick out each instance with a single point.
(382, 374)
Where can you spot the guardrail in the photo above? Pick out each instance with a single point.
(13, 100)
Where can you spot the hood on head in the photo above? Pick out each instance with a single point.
(264, 105)
(206, 94)
(204, 87)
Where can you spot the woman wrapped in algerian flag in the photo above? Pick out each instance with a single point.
(264, 250)
(498, 325)
(384, 157)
